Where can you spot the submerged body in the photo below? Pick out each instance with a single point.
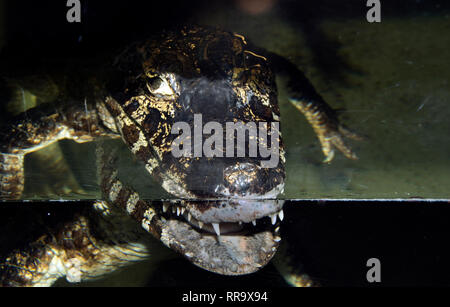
(154, 85)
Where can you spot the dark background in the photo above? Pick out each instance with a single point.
(333, 240)
(43, 25)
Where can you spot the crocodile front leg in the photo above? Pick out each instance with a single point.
(38, 128)
(88, 246)
(93, 243)
(12, 178)
(319, 114)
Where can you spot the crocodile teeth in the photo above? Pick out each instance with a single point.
(200, 224)
(216, 228)
(277, 239)
(254, 222)
(165, 207)
(281, 215)
(189, 217)
(178, 211)
(182, 210)
(273, 217)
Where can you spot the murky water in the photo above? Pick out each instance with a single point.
(391, 80)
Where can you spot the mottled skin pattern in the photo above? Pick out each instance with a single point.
(154, 84)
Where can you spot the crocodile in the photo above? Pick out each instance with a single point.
(147, 89)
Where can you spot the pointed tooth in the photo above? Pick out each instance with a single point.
(216, 228)
(174, 210)
(277, 229)
(277, 239)
(200, 224)
(165, 207)
(254, 222)
(281, 215)
(182, 210)
(178, 211)
(189, 217)
(273, 217)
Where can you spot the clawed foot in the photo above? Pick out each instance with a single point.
(327, 128)
(333, 138)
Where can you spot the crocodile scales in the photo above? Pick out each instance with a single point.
(154, 84)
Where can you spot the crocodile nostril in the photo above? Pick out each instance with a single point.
(240, 177)
(217, 178)
(213, 178)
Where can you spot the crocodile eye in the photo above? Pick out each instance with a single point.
(157, 85)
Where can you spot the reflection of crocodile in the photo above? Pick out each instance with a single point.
(154, 84)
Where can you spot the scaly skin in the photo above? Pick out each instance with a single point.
(153, 85)
(93, 243)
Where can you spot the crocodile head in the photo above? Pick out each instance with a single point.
(199, 109)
